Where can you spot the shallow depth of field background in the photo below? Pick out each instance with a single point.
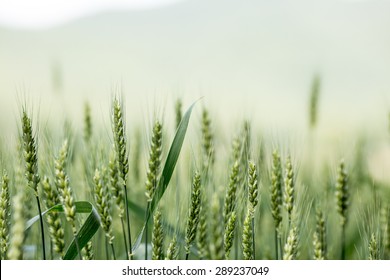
(248, 60)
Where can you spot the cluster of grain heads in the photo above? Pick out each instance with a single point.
(193, 213)
(31, 167)
(103, 202)
(118, 127)
(153, 172)
(373, 248)
(207, 140)
(289, 182)
(15, 251)
(4, 215)
(319, 237)
(157, 237)
(342, 196)
(172, 251)
(276, 198)
(56, 230)
(216, 243)
(291, 247)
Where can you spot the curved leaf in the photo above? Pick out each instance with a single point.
(87, 230)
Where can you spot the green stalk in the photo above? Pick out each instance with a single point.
(128, 222)
(124, 234)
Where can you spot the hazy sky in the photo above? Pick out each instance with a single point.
(252, 58)
(35, 14)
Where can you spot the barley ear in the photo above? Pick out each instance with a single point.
(373, 248)
(15, 251)
(289, 181)
(207, 140)
(229, 233)
(193, 213)
(291, 246)
(157, 237)
(172, 251)
(116, 188)
(216, 245)
(56, 231)
(63, 186)
(247, 242)
(342, 192)
(4, 215)
(230, 197)
(154, 161)
(319, 237)
(103, 202)
(276, 189)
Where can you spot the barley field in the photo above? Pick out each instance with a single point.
(184, 188)
(195, 129)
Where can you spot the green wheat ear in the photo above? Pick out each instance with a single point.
(276, 189)
(30, 153)
(193, 213)
(247, 241)
(172, 251)
(63, 186)
(207, 140)
(15, 251)
(291, 246)
(373, 248)
(4, 215)
(157, 237)
(216, 246)
(230, 197)
(289, 182)
(103, 202)
(229, 233)
(319, 237)
(87, 123)
(154, 161)
(57, 234)
(342, 192)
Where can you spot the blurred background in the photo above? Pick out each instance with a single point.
(254, 59)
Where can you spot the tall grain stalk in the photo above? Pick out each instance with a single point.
(342, 196)
(31, 167)
(118, 194)
(152, 173)
(118, 126)
(253, 198)
(193, 213)
(4, 215)
(276, 199)
(66, 194)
